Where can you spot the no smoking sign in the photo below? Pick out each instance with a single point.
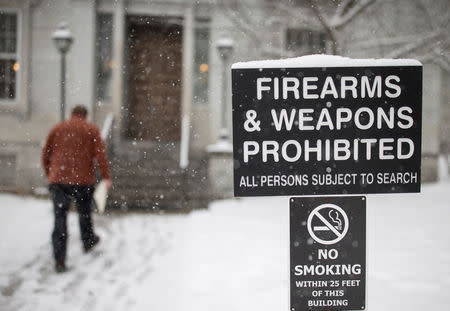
(327, 224)
(328, 253)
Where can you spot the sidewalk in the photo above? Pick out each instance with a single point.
(233, 256)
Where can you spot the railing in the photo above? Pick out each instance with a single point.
(106, 135)
(106, 132)
(444, 167)
(107, 125)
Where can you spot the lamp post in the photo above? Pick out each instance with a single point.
(225, 47)
(62, 38)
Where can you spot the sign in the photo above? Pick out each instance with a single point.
(328, 253)
(327, 130)
(336, 215)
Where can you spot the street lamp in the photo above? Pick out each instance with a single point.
(62, 38)
(225, 47)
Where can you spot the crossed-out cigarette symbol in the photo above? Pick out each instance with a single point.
(335, 221)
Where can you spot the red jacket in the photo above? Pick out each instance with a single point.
(70, 150)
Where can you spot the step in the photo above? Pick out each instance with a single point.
(151, 178)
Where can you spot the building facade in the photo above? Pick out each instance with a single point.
(154, 66)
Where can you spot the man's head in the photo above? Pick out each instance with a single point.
(80, 111)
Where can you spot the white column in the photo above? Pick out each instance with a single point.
(186, 95)
(117, 56)
(80, 74)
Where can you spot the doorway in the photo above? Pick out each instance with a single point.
(154, 79)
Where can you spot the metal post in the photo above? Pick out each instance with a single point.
(63, 86)
(224, 130)
(225, 47)
(62, 37)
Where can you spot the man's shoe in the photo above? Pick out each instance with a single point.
(91, 245)
(60, 267)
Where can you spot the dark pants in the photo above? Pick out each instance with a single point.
(62, 196)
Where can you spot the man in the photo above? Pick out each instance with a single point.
(68, 161)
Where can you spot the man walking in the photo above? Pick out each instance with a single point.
(68, 159)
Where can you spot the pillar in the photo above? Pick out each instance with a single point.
(186, 95)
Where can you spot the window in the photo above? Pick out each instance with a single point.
(303, 41)
(9, 65)
(201, 69)
(104, 56)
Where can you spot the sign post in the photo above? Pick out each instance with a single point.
(321, 125)
(328, 253)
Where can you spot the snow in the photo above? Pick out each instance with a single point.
(63, 32)
(221, 146)
(232, 256)
(322, 60)
(225, 42)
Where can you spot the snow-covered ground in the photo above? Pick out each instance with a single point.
(233, 256)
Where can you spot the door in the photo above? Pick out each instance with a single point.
(154, 80)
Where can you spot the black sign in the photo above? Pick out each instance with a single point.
(341, 130)
(328, 253)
